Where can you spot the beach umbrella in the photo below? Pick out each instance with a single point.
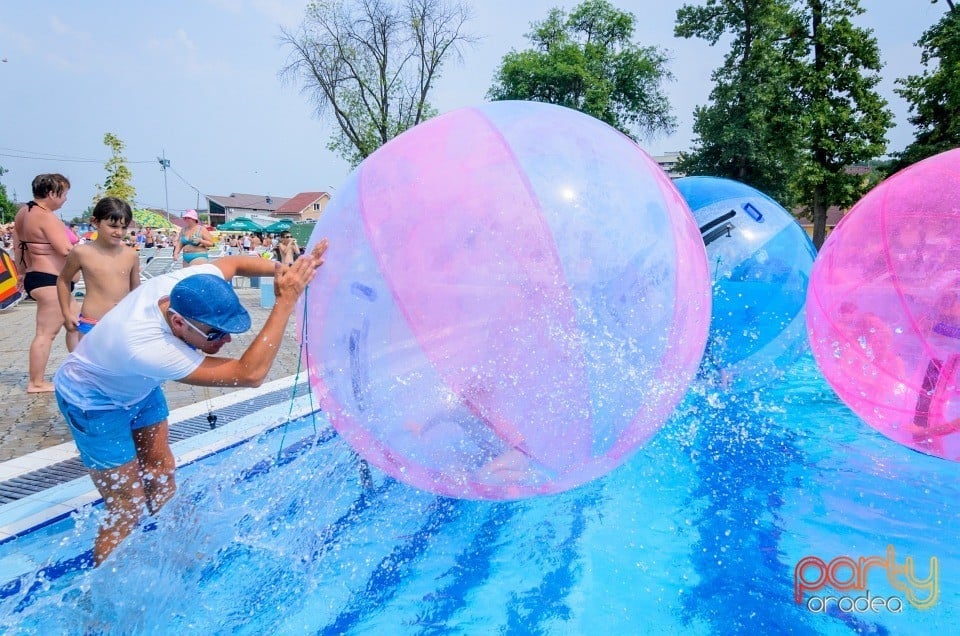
(280, 226)
(240, 224)
(10, 293)
(149, 218)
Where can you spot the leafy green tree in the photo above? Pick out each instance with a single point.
(748, 131)
(118, 182)
(587, 61)
(934, 96)
(844, 118)
(83, 217)
(796, 102)
(8, 208)
(369, 65)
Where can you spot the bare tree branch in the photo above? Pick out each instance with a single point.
(369, 65)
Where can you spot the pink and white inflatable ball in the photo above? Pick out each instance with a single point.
(883, 307)
(515, 298)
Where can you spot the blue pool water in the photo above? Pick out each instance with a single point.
(699, 533)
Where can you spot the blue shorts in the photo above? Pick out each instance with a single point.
(85, 325)
(104, 438)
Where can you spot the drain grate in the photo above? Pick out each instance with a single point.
(70, 469)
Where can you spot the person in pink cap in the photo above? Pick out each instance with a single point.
(193, 242)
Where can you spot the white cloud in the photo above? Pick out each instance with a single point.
(16, 42)
(172, 45)
(284, 12)
(288, 13)
(180, 50)
(232, 6)
(58, 26)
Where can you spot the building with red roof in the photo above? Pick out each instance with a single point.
(304, 207)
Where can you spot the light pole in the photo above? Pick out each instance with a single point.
(164, 164)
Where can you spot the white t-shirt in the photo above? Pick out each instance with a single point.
(131, 351)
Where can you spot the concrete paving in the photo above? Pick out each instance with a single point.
(30, 422)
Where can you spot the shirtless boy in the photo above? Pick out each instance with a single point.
(110, 268)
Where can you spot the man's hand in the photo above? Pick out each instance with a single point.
(289, 282)
(252, 367)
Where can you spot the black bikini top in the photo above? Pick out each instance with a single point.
(24, 244)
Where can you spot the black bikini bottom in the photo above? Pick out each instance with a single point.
(36, 280)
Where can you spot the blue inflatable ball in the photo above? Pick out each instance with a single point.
(760, 261)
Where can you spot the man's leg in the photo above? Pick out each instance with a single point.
(123, 496)
(157, 463)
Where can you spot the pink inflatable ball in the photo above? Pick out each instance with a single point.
(883, 308)
(514, 300)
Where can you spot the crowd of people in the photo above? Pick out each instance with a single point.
(230, 244)
(6, 236)
(129, 335)
(279, 246)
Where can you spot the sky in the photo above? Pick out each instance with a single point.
(197, 82)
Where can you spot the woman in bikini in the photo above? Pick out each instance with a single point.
(193, 242)
(40, 250)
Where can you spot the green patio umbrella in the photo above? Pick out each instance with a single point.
(149, 218)
(240, 224)
(280, 226)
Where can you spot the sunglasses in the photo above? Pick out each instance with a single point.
(211, 336)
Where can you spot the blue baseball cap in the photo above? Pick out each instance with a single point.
(209, 299)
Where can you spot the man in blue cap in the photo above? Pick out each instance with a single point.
(169, 328)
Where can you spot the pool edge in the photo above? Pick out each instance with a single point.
(23, 515)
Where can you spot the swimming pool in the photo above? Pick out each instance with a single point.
(699, 533)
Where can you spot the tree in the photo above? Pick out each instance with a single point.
(934, 96)
(586, 61)
(845, 120)
(118, 182)
(8, 208)
(369, 65)
(822, 105)
(80, 219)
(748, 132)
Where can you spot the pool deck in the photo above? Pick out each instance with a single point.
(32, 422)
